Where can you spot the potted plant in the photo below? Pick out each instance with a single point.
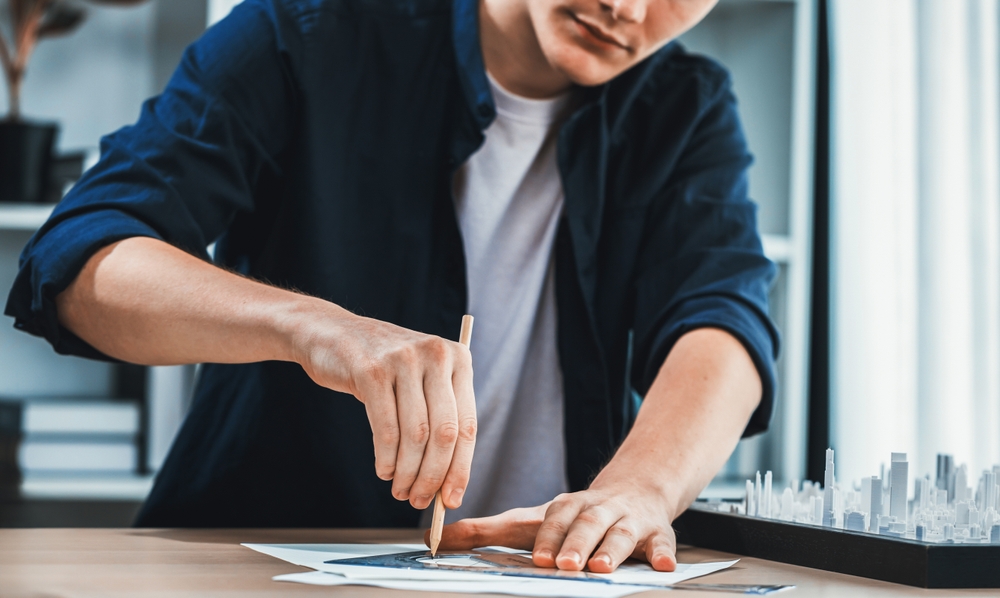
(26, 147)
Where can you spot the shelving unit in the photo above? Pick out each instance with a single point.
(120, 58)
(23, 217)
(86, 487)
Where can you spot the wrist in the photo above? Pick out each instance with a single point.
(298, 325)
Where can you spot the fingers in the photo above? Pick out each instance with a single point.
(442, 415)
(515, 528)
(565, 532)
(576, 524)
(380, 405)
(418, 393)
(551, 533)
(590, 525)
(414, 432)
(619, 544)
(461, 462)
(661, 551)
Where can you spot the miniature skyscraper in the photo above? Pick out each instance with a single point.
(945, 478)
(875, 508)
(898, 488)
(855, 521)
(828, 516)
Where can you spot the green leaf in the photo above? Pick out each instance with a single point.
(61, 18)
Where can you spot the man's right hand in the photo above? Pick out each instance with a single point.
(417, 391)
(144, 301)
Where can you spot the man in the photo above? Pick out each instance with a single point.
(372, 171)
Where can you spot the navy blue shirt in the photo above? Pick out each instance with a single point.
(315, 141)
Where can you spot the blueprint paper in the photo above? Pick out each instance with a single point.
(308, 555)
(506, 563)
(314, 555)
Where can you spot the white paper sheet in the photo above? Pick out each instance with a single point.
(494, 585)
(315, 555)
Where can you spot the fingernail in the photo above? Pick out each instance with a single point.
(456, 496)
(544, 554)
(603, 559)
(424, 500)
(573, 556)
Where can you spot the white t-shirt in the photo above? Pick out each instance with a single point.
(509, 199)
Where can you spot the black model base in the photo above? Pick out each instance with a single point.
(855, 553)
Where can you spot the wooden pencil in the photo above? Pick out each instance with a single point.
(437, 520)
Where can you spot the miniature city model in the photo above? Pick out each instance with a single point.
(942, 510)
(946, 536)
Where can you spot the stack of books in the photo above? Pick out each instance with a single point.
(77, 435)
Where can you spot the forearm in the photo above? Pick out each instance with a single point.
(691, 419)
(144, 301)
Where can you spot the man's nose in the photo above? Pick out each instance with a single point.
(633, 11)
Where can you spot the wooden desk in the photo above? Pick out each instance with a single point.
(136, 562)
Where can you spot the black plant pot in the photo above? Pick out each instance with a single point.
(25, 160)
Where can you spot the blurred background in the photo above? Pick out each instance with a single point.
(876, 132)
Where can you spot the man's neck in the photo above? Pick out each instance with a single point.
(512, 53)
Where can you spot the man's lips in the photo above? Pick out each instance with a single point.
(598, 33)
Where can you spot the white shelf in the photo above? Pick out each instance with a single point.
(86, 487)
(27, 217)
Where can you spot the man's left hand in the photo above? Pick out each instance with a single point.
(688, 425)
(598, 528)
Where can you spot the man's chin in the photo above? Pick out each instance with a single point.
(587, 70)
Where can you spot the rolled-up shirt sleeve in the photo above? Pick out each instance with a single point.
(703, 265)
(182, 171)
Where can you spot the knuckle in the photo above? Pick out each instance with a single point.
(420, 433)
(624, 531)
(468, 429)
(553, 526)
(563, 499)
(559, 503)
(405, 354)
(431, 480)
(436, 348)
(591, 516)
(388, 435)
(446, 433)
